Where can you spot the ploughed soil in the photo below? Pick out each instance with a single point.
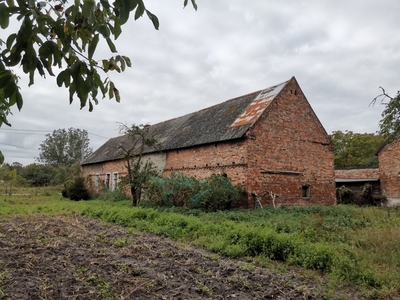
(80, 258)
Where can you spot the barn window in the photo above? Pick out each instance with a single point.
(115, 180)
(305, 191)
(107, 181)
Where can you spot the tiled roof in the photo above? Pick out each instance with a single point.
(225, 121)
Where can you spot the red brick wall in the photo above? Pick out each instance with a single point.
(289, 138)
(102, 169)
(358, 173)
(389, 170)
(227, 157)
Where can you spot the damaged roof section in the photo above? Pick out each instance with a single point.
(254, 110)
(225, 121)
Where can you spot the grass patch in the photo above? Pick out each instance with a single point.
(358, 245)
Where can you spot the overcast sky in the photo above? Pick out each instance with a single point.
(339, 51)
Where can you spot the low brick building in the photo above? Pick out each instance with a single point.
(270, 142)
(356, 180)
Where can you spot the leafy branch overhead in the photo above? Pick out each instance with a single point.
(61, 37)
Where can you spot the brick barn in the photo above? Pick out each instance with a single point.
(268, 141)
(389, 170)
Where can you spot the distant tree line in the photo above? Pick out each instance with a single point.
(36, 174)
(354, 150)
(59, 160)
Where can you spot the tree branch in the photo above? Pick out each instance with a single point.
(382, 96)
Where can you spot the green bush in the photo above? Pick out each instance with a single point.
(76, 189)
(211, 194)
(113, 195)
(344, 195)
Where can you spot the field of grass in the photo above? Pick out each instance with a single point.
(360, 246)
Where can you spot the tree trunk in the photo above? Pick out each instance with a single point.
(134, 196)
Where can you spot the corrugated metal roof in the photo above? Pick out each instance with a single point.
(225, 121)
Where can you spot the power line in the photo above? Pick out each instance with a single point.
(17, 146)
(98, 136)
(29, 131)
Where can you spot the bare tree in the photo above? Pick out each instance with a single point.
(139, 170)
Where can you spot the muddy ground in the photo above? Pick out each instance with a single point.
(80, 258)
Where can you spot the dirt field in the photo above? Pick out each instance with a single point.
(79, 258)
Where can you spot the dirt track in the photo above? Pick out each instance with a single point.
(81, 258)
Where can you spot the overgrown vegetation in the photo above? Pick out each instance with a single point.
(76, 190)
(351, 245)
(139, 168)
(210, 194)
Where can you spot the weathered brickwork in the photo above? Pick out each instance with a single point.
(290, 154)
(357, 173)
(228, 158)
(117, 167)
(389, 170)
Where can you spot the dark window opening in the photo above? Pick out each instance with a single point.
(305, 191)
(107, 183)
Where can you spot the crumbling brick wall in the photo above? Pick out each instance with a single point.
(389, 170)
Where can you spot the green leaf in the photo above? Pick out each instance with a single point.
(127, 60)
(111, 90)
(13, 99)
(14, 59)
(19, 100)
(105, 4)
(93, 45)
(47, 64)
(10, 40)
(106, 65)
(47, 49)
(90, 106)
(9, 90)
(103, 30)
(194, 4)
(117, 96)
(153, 19)
(99, 83)
(39, 67)
(10, 3)
(1, 158)
(61, 78)
(139, 10)
(111, 45)
(4, 16)
(5, 77)
(88, 10)
(117, 29)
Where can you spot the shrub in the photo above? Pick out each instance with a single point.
(211, 194)
(216, 193)
(76, 189)
(113, 195)
(345, 195)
